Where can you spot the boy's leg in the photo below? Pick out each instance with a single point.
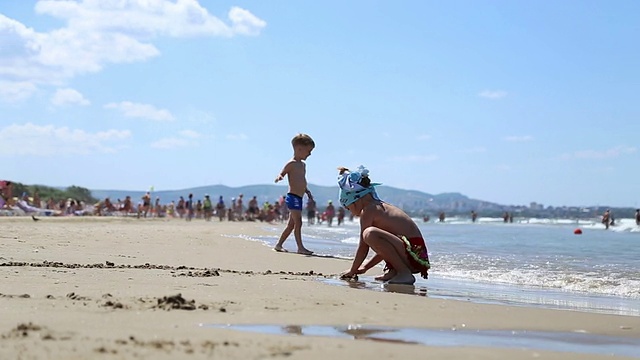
(285, 234)
(392, 250)
(295, 216)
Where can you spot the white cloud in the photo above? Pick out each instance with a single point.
(199, 117)
(237, 137)
(600, 155)
(68, 96)
(493, 94)
(424, 137)
(101, 32)
(18, 46)
(144, 111)
(147, 18)
(604, 170)
(170, 143)
(13, 91)
(52, 57)
(190, 134)
(187, 138)
(244, 22)
(522, 138)
(49, 140)
(415, 158)
(75, 52)
(474, 150)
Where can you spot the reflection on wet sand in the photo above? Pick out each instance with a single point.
(551, 341)
(371, 334)
(386, 287)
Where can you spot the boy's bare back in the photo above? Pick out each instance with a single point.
(295, 170)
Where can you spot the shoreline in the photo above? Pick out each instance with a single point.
(474, 290)
(122, 312)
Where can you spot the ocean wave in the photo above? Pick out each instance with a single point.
(613, 284)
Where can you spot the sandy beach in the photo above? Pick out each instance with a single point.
(123, 288)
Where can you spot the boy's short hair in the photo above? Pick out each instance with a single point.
(303, 139)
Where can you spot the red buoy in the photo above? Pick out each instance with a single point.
(577, 231)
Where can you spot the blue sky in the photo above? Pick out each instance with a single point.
(504, 101)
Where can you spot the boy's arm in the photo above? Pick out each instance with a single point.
(308, 192)
(284, 172)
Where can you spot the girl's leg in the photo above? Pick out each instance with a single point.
(387, 276)
(392, 250)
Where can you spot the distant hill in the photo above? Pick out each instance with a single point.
(415, 202)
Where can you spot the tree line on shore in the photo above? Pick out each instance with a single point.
(47, 192)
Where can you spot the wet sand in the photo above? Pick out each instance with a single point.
(121, 288)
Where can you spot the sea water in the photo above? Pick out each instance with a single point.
(530, 262)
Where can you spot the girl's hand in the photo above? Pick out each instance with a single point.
(361, 271)
(347, 275)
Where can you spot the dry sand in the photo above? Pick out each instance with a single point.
(85, 288)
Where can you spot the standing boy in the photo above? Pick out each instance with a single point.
(295, 170)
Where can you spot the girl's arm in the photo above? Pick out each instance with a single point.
(375, 260)
(361, 254)
(366, 220)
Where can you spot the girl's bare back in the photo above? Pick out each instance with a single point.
(392, 219)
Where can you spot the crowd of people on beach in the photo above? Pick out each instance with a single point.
(189, 208)
(34, 204)
(185, 207)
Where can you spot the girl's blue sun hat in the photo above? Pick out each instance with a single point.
(350, 188)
